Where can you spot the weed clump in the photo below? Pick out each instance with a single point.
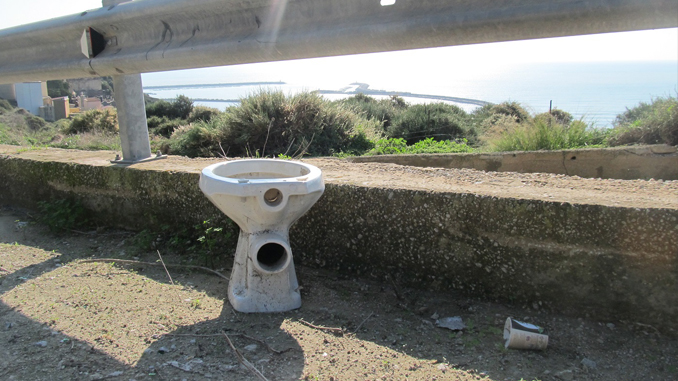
(63, 214)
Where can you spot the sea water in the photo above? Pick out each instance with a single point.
(593, 91)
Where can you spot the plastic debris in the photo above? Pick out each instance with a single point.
(520, 335)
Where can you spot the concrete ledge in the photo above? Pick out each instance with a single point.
(607, 262)
(625, 163)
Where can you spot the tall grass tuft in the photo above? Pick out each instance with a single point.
(18, 127)
(545, 134)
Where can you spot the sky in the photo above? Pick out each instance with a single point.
(650, 45)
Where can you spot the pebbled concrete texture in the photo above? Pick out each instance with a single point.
(625, 163)
(610, 263)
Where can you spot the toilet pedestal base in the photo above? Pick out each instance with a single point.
(263, 277)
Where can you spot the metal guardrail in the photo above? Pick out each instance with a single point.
(156, 35)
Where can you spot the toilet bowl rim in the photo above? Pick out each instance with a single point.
(302, 184)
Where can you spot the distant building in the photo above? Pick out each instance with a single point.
(29, 96)
(90, 103)
(7, 92)
(62, 109)
(91, 87)
(55, 108)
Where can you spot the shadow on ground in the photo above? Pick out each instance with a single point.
(61, 319)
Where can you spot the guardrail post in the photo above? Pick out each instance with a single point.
(129, 100)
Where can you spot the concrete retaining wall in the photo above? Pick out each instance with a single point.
(609, 262)
(625, 163)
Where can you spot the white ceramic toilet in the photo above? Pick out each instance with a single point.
(264, 197)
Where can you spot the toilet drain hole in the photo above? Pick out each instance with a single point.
(273, 197)
(272, 256)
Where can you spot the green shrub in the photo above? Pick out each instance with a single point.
(202, 113)
(647, 123)
(490, 119)
(514, 109)
(394, 146)
(384, 110)
(438, 120)
(179, 108)
(102, 121)
(269, 123)
(35, 123)
(58, 88)
(164, 126)
(198, 140)
(557, 116)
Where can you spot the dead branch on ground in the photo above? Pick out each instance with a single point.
(130, 262)
(163, 265)
(339, 331)
(243, 360)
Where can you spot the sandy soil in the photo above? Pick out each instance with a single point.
(64, 319)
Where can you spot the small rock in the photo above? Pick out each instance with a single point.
(184, 367)
(587, 363)
(42, 343)
(251, 347)
(566, 375)
(610, 325)
(454, 323)
(115, 374)
(435, 316)
(163, 350)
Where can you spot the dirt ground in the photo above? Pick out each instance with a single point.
(63, 319)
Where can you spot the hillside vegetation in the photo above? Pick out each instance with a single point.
(272, 124)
